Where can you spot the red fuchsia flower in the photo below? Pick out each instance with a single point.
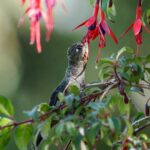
(35, 13)
(96, 29)
(137, 27)
(91, 25)
(104, 30)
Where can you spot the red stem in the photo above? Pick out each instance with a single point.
(140, 3)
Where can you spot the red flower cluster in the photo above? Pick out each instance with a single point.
(97, 29)
(137, 27)
(35, 12)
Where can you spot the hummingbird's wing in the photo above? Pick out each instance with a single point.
(62, 87)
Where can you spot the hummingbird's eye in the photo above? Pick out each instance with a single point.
(77, 50)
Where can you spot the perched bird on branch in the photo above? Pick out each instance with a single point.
(75, 73)
(77, 60)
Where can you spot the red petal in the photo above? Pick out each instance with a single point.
(95, 33)
(102, 15)
(105, 27)
(96, 8)
(80, 25)
(86, 23)
(22, 2)
(38, 38)
(126, 30)
(32, 32)
(138, 39)
(90, 21)
(137, 26)
(139, 12)
(113, 36)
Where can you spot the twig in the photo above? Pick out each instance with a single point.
(15, 124)
(67, 146)
(137, 130)
(107, 90)
(147, 118)
(47, 114)
(98, 84)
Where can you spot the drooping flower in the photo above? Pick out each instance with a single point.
(35, 12)
(91, 25)
(137, 27)
(96, 29)
(104, 29)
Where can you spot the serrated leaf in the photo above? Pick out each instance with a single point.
(6, 107)
(22, 136)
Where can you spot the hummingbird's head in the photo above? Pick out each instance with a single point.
(78, 53)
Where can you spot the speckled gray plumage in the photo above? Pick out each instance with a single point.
(75, 72)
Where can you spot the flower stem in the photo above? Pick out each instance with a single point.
(138, 51)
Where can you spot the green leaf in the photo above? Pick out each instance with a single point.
(129, 130)
(6, 107)
(93, 131)
(5, 133)
(148, 16)
(143, 137)
(22, 136)
(61, 97)
(70, 126)
(123, 50)
(74, 89)
(137, 90)
(45, 129)
(124, 108)
(147, 69)
(138, 116)
(69, 99)
(111, 123)
(59, 128)
(116, 123)
(43, 108)
(33, 113)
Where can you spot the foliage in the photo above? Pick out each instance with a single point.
(100, 116)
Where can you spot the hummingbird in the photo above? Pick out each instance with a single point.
(75, 73)
(77, 56)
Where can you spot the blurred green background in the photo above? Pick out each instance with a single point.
(28, 78)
